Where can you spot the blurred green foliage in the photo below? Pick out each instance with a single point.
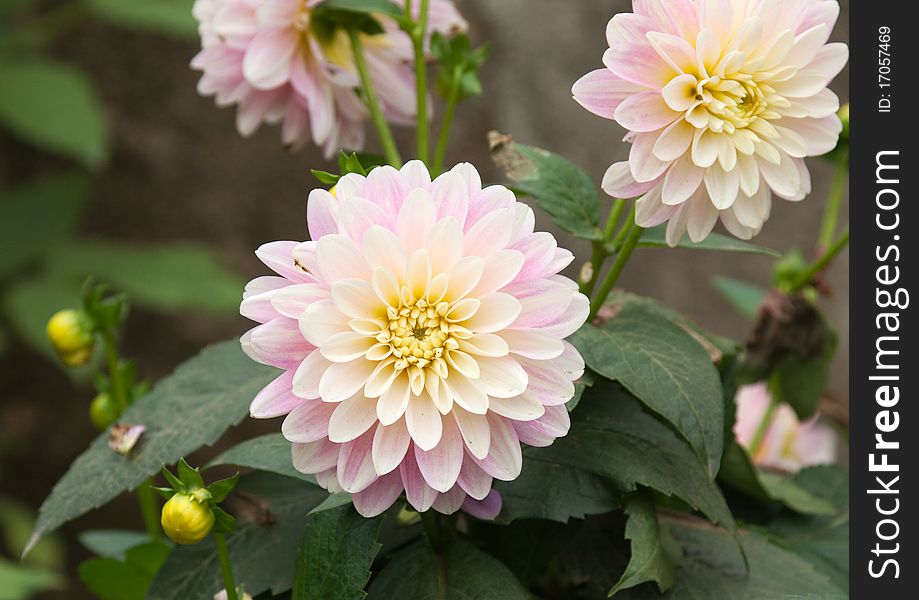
(55, 107)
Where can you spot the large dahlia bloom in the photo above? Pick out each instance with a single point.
(273, 59)
(788, 444)
(421, 333)
(723, 99)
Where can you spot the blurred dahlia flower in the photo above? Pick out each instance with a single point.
(421, 337)
(723, 99)
(280, 65)
(788, 444)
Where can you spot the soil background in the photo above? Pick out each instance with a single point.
(179, 171)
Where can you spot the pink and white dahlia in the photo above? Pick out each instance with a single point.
(789, 444)
(282, 65)
(723, 100)
(421, 333)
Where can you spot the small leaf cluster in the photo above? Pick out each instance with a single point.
(354, 162)
(189, 481)
(458, 73)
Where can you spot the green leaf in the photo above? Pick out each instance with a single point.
(269, 452)
(54, 107)
(560, 188)
(460, 572)
(170, 17)
(655, 237)
(222, 488)
(648, 560)
(189, 476)
(16, 523)
(20, 582)
(36, 216)
(611, 436)
(739, 472)
(707, 568)
(801, 383)
(128, 579)
(224, 522)
(186, 410)
(112, 543)
(822, 541)
(272, 513)
(336, 554)
(745, 297)
(166, 277)
(665, 368)
(546, 490)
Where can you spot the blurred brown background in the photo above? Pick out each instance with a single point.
(179, 171)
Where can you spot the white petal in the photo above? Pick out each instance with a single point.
(525, 407)
(424, 421)
(351, 418)
(390, 444)
(309, 422)
(342, 380)
(441, 465)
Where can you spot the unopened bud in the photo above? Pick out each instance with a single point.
(844, 117)
(71, 334)
(186, 519)
(103, 411)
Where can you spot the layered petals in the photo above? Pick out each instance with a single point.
(266, 57)
(421, 334)
(723, 99)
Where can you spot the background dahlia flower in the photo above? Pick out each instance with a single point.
(272, 59)
(723, 99)
(421, 336)
(789, 444)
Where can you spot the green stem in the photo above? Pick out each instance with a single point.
(111, 357)
(600, 252)
(437, 527)
(617, 241)
(444, 136)
(628, 246)
(148, 509)
(759, 436)
(821, 263)
(834, 202)
(373, 102)
(226, 568)
(419, 31)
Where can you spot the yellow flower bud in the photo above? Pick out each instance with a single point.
(844, 117)
(186, 520)
(103, 411)
(71, 334)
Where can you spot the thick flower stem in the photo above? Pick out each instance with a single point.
(600, 250)
(437, 527)
(226, 568)
(622, 258)
(148, 509)
(834, 202)
(418, 33)
(444, 136)
(373, 102)
(821, 263)
(145, 496)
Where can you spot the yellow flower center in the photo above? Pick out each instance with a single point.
(732, 103)
(419, 334)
